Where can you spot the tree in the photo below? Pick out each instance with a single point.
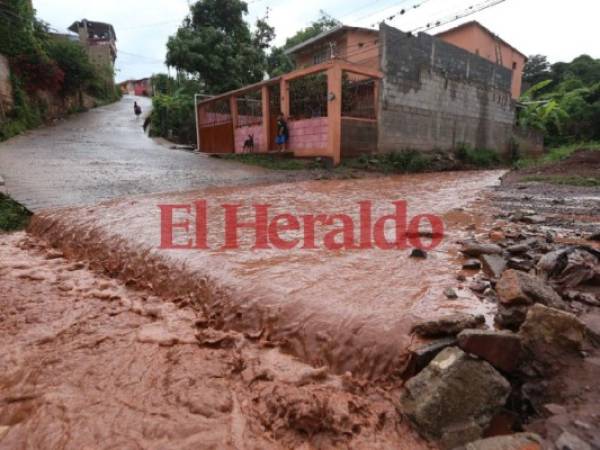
(536, 69)
(215, 45)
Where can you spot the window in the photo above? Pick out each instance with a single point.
(321, 56)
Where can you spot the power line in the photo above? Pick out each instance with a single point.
(473, 9)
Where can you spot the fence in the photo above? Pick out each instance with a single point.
(320, 103)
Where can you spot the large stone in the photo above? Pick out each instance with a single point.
(520, 441)
(501, 349)
(493, 265)
(449, 325)
(511, 317)
(422, 356)
(476, 249)
(568, 441)
(591, 321)
(520, 288)
(454, 399)
(552, 338)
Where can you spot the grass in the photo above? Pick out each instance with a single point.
(407, 161)
(273, 162)
(479, 157)
(556, 154)
(13, 216)
(569, 180)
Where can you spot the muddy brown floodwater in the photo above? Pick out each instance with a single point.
(87, 363)
(349, 310)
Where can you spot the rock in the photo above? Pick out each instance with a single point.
(493, 265)
(501, 349)
(472, 264)
(568, 268)
(519, 441)
(476, 249)
(418, 253)
(454, 399)
(497, 236)
(592, 326)
(518, 288)
(479, 286)
(533, 220)
(522, 264)
(554, 409)
(449, 325)
(510, 317)
(594, 237)
(551, 338)
(450, 293)
(568, 441)
(518, 249)
(421, 357)
(461, 277)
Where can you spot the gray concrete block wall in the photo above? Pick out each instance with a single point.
(358, 137)
(436, 96)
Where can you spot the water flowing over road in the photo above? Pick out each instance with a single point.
(104, 154)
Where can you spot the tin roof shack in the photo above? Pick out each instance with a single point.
(99, 39)
(475, 38)
(351, 44)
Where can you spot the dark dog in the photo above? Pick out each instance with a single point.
(249, 144)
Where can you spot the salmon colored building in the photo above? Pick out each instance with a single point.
(352, 44)
(476, 38)
(361, 91)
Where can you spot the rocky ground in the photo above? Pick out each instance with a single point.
(538, 261)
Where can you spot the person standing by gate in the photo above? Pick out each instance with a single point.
(283, 133)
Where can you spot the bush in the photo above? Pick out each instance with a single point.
(74, 62)
(478, 157)
(406, 161)
(173, 117)
(13, 216)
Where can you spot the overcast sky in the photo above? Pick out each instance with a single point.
(561, 30)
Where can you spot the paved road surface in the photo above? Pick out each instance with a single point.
(104, 154)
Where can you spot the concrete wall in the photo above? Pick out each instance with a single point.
(359, 136)
(6, 99)
(435, 96)
(308, 135)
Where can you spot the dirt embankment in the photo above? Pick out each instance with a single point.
(582, 163)
(88, 363)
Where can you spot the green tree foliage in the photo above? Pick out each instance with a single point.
(215, 45)
(537, 69)
(72, 59)
(566, 106)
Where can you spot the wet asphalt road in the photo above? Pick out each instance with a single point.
(104, 154)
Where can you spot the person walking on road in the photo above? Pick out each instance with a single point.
(137, 109)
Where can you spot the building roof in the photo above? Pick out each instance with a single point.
(94, 28)
(487, 30)
(325, 34)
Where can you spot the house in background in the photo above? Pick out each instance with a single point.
(100, 41)
(476, 38)
(360, 91)
(142, 87)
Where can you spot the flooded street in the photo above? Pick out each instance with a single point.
(351, 310)
(87, 363)
(104, 154)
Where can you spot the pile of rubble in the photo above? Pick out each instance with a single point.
(530, 382)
